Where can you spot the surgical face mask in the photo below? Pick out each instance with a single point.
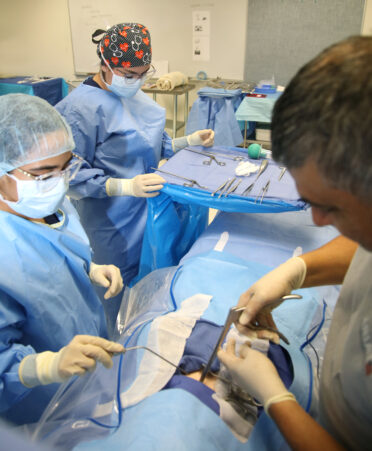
(122, 88)
(38, 198)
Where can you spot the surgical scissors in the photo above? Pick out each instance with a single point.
(209, 155)
(232, 317)
(191, 181)
(231, 157)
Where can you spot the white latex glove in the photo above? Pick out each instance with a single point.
(201, 138)
(143, 185)
(107, 276)
(253, 372)
(262, 297)
(78, 357)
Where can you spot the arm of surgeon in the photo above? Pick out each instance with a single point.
(329, 264)
(254, 372)
(325, 266)
(300, 430)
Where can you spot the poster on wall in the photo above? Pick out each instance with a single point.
(200, 35)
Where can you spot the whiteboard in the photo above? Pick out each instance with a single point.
(171, 27)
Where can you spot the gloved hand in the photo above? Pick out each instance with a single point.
(201, 138)
(143, 185)
(253, 372)
(262, 297)
(78, 357)
(107, 276)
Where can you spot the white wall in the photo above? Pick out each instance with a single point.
(367, 19)
(35, 38)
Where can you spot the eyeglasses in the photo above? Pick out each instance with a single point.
(69, 172)
(131, 78)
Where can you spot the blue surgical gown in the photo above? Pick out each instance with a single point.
(46, 298)
(215, 109)
(118, 138)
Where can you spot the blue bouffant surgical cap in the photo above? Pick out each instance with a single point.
(30, 130)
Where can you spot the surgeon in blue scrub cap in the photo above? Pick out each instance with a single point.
(119, 132)
(52, 324)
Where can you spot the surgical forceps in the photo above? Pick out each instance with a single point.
(283, 169)
(261, 169)
(262, 192)
(220, 187)
(227, 187)
(233, 188)
(191, 181)
(232, 317)
(263, 166)
(209, 155)
(247, 190)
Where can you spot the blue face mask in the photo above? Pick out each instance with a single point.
(122, 88)
(120, 85)
(38, 198)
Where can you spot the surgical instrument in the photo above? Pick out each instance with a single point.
(227, 187)
(134, 348)
(231, 157)
(233, 188)
(247, 190)
(235, 393)
(234, 388)
(233, 316)
(209, 155)
(262, 192)
(191, 181)
(220, 187)
(283, 169)
(263, 166)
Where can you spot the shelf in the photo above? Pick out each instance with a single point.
(265, 144)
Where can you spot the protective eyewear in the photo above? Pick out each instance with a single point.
(68, 173)
(132, 77)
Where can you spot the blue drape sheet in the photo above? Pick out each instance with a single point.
(178, 216)
(174, 419)
(52, 90)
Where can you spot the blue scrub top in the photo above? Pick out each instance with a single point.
(46, 298)
(118, 138)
